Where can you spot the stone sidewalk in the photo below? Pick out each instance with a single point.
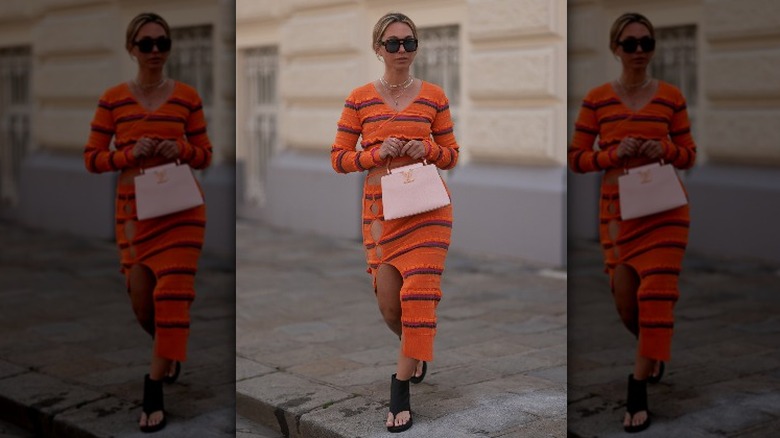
(724, 377)
(10, 430)
(314, 357)
(72, 357)
(246, 428)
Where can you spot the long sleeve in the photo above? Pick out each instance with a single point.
(582, 157)
(121, 117)
(441, 148)
(195, 148)
(664, 118)
(367, 118)
(679, 148)
(98, 157)
(343, 154)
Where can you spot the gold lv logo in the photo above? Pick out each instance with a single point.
(645, 176)
(162, 176)
(407, 176)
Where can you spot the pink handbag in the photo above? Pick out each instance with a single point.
(412, 189)
(166, 189)
(650, 189)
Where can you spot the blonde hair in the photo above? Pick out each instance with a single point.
(389, 18)
(138, 22)
(623, 21)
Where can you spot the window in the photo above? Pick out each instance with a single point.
(675, 61)
(261, 71)
(191, 61)
(438, 61)
(15, 108)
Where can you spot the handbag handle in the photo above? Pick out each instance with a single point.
(425, 163)
(178, 163)
(625, 169)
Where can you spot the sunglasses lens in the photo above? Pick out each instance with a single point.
(392, 46)
(648, 44)
(630, 45)
(163, 44)
(410, 45)
(146, 45)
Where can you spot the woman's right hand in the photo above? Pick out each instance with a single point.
(391, 147)
(628, 147)
(144, 147)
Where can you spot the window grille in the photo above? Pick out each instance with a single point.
(261, 72)
(676, 62)
(15, 109)
(438, 62)
(192, 61)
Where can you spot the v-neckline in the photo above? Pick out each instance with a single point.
(642, 108)
(411, 102)
(147, 110)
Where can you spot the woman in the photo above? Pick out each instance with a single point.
(153, 120)
(402, 120)
(638, 120)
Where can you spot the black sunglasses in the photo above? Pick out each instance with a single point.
(630, 44)
(393, 45)
(146, 45)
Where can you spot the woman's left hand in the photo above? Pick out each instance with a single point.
(168, 149)
(414, 149)
(652, 149)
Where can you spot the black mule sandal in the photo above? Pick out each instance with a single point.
(636, 401)
(657, 377)
(153, 402)
(399, 402)
(416, 379)
(175, 376)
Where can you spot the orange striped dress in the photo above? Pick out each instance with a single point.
(416, 245)
(169, 245)
(654, 245)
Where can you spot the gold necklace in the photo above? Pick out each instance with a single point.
(396, 98)
(147, 87)
(405, 84)
(629, 88)
(392, 87)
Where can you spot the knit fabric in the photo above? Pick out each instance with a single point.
(654, 245)
(169, 245)
(416, 245)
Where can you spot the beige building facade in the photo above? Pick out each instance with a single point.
(57, 57)
(502, 64)
(724, 56)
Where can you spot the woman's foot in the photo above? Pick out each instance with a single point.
(172, 374)
(151, 420)
(153, 411)
(658, 372)
(637, 416)
(419, 372)
(635, 421)
(399, 418)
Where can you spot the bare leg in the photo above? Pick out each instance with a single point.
(388, 295)
(656, 368)
(388, 292)
(625, 286)
(141, 289)
(625, 283)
